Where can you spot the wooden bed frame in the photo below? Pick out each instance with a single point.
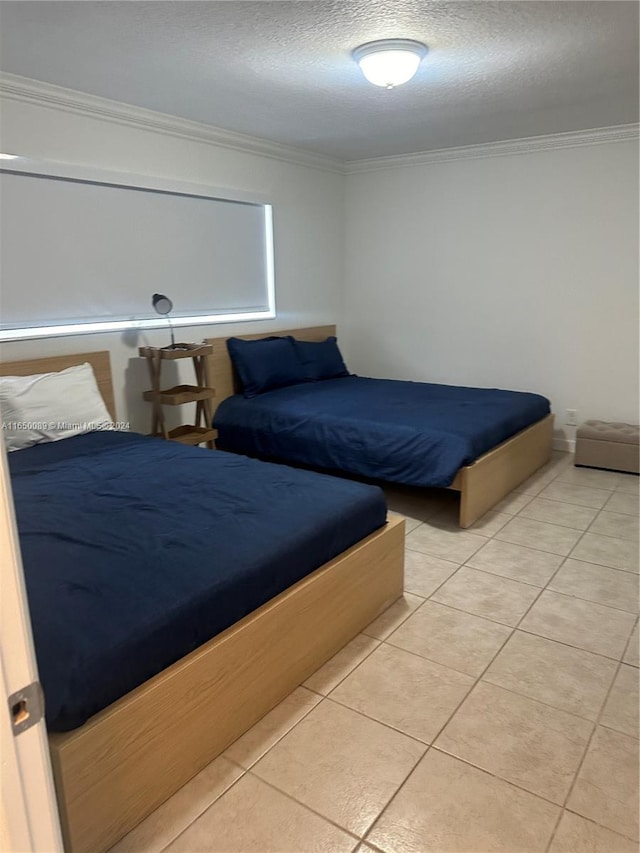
(128, 759)
(481, 485)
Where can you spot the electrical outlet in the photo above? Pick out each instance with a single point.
(571, 418)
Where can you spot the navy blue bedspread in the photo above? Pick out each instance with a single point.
(414, 433)
(137, 550)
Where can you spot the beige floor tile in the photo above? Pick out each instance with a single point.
(629, 484)
(341, 764)
(575, 834)
(450, 637)
(347, 659)
(393, 616)
(539, 535)
(178, 812)
(579, 623)
(513, 503)
(409, 523)
(623, 502)
(405, 691)
(562, 457)
(598, 583)
(455, 545)
(536, 483)
(592, 477)
(486, 526)
(559, 512)
(607, 551)
(621, 711)
(448, 806)
(424, 574)
(261, 737)
(487, 595)
(522, 741)
(616, 524)
(516, 562)
(606, 789)
(632, 654)
(570, 679)
(490, 523)
(579, 495)
(254, 818)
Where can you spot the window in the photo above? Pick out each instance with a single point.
(83, 251)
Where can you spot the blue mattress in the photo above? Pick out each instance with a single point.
(414, 433)
(137, 550)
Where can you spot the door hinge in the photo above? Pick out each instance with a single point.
(26, 707)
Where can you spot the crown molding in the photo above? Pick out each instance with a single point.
(26, 90)
(530, 144)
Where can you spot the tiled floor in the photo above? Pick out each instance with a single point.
(494, 708)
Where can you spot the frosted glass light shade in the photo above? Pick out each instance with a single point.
(389, 62)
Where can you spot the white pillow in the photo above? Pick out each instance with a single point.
(51, 406)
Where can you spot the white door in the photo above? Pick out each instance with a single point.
(28, 817)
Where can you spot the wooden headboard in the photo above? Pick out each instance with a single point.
(99, 361)
(221, 374)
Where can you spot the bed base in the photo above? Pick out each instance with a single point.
(99, 361)
(494, 474)
(481, 485)
(128, 759)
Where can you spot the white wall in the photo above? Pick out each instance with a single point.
(308, 227)
(516, 271)
(519, 271)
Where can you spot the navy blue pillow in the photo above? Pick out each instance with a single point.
(265, 364)
(321, 359)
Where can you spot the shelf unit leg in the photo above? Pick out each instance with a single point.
(203, 407)
(158, 425)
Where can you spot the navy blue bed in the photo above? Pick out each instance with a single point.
(138, 550)
(415, 433)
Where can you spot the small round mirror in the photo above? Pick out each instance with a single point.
(161, 303)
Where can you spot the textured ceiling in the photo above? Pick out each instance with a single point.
(283, 70)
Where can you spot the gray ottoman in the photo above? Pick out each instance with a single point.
(600, 444)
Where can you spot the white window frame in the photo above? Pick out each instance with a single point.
(127, 180)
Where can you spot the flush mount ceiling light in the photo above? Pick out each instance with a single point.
(389, 62)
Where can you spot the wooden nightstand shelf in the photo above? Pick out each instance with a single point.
(201, 394)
